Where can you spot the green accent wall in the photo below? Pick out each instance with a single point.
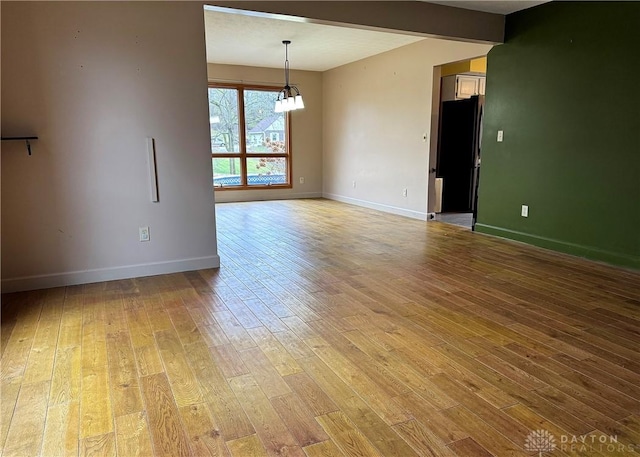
(565, 89)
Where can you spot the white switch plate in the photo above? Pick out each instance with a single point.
(301, 179)
(144, 233)
(354, 184)
(525, 211)
(404, 192)
(500, 136)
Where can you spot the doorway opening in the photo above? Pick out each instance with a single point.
(455, 160)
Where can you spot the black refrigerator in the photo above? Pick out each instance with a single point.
(459, 153)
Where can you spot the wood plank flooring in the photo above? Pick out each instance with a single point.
(329, 330)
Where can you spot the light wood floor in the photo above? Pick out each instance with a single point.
(329, 330)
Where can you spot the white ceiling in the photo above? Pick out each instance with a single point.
(254, 40)
(491, 6)
(239, 39)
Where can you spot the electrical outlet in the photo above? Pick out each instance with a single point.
(525, 211)
(500, 136)
(404, 192)
(144, 233)
(354, 184)
(301, 179)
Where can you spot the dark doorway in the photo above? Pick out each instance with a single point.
(458, 153)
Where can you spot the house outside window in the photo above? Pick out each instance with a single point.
(249, 141)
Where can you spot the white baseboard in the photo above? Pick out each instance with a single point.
(251, 196)
(72, 278)
(377, 206)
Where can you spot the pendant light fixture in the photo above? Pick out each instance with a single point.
(289, 98)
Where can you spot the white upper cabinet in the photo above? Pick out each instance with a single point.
(482, 85)
(469, 85)
(466, 86)
(459, 87)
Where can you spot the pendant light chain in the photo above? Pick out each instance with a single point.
(286, 63)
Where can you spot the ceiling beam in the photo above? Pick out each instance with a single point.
(414, 17)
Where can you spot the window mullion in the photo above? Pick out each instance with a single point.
(243, 138)
(287, 133)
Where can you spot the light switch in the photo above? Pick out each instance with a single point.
(500, 136)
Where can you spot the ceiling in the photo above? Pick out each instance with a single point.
(254, 40)
(239, 39)
(491, 6)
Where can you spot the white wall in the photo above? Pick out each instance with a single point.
(93, 80)
(306, 130)
(375, 114)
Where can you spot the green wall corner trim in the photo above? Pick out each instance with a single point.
(562, 246)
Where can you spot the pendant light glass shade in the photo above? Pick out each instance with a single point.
(289, 98)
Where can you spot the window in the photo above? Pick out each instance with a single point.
(249, 141)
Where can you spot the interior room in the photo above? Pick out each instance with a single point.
(319, 228)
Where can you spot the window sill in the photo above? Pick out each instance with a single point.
(275, 186)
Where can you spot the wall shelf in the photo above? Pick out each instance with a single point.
(26, 139)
